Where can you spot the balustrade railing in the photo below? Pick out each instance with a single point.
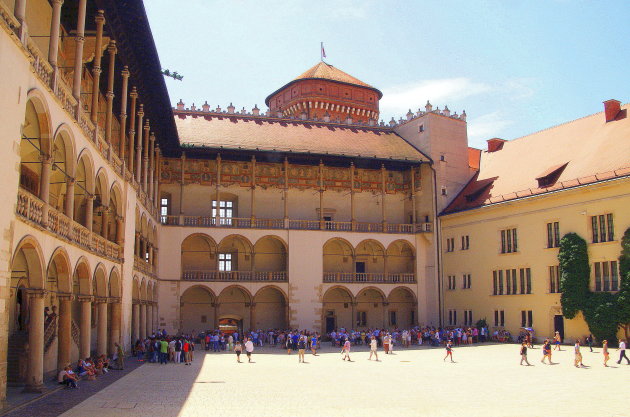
(234, 276)
(50, 331)
(372, 277)
(75, 331)
(8, 19)
(143, 266)
(32, 209)
(247, 223)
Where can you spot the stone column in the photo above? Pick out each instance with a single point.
(114, 327)
(104, 223)
(253, 192)
(145, 156)
(135, 325)
(286, 193)
(85, 326)
(64, 332)
(413, 196)
(252, 316)
(19, 11)
(321, 194)
(149, 319)
(122, 142)
(53, 42)
(384, 221)
(143, 321)
(89, 212)
(96, 69)
(353, 219)
(136, 249)
(217, 192)
(120, 230)
(139, 145)
(156, 176)
(35, 371)
(44, 180)
(101, 326)
(150, 166)
(110, 94)
(69, 203)
(132, 132)
(78, 55)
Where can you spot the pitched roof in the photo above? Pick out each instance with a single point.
(294, 136)
(328, 72)
(592, 150)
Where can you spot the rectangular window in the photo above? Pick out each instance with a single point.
(466, 281)
(465, 242)
(509, 241)
(495, 284)
(598, 276)
(614, 276)
(522, 275)
(523, 318)
(594, 228)
(450, 244)
(225, 262)
(508, 281)
(514, 289)
(528, 276)
(611, 227)
(605, 276)
(554, 279)
(603, 228)
(361, 318)
(500, 282)
(530, 318)
(392, 318)
(496, 318)
(454, 317)
(226, 211)
(164, 205)
(502, 318)
(553, 235)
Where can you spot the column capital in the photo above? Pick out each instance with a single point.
(152, 137)
(140, 112)
(36, 292)
(91, 197)
(115, 300)
(100, 300)
(65, 296)
(85, 298)
(70, 180)
(45, 158)
(111, 48)
(125, 72)
(100, 16)
(134, 92)
(147, 123)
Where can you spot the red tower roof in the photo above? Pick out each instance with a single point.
(326, 71)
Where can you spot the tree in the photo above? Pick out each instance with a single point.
(623, 296)
(600, 309)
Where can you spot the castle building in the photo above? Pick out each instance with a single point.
(125, 215)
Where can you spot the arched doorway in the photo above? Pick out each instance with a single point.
(235, 302)
(34, 146)
(337, 309)
(84, 186)
(270, 309)
(197, 310)
(402, 308)
(370, 311)
(234, 255)
(57, 329)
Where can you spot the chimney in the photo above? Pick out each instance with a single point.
(256, 110)
(611, 109)
(180, 105)
(193, 107)
(495, 144)
(231, 108)
(205, 106)
(428, 107)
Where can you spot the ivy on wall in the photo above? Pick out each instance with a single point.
(623, 296)
(601, 310)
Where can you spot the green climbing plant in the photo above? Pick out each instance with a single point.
(623, 296)
(600, 309)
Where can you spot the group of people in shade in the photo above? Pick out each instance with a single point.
(91, 368)
(547, 350)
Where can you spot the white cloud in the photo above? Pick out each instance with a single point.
(485, 127)
(401, 98)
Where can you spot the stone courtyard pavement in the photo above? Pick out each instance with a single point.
(485, 381)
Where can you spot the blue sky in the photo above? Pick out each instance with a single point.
(516, 67)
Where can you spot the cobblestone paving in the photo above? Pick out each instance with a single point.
(485, 381)
(58, 400)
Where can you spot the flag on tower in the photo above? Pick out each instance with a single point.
(323, 52)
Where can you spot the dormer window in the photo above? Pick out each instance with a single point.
(550, 176)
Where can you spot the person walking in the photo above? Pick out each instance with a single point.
(546, 351)
(178, 351)
(314, 344)
(249, 349)
(605, 352)
(449, 351)
(524, 353)
(373, 348)
(386, 340)
(578, 355)
(301, 348)
(345, 351)
(622, 351)
(238, 349)
(289, 343)
(557, 341)
(589, 341)
(164, 352)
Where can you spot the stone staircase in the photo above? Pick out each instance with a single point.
(15, 355)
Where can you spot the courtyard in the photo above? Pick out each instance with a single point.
(485, 380)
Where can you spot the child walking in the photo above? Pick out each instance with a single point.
(449, 351)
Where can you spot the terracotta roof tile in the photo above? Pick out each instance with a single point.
(328, 72)
(597, 150)
(297, 136)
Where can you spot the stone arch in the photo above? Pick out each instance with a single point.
(197, 309)
(198, 255)
(370, 311)
(143, 290)
(235, 302)
(402, 308)
(84, 186)
(338, 256)
(100, 281)
(61, 267)
(401, 257)
(270, 254)
(82, 278)
(369, 257)
(35, 142)
(135, 289)
(114, 283)
(270, 308)
(337, 309)
(116, 210)
(101, 200)
(62, 168)
(235, 253)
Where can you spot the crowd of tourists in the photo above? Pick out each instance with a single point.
(91, 368)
